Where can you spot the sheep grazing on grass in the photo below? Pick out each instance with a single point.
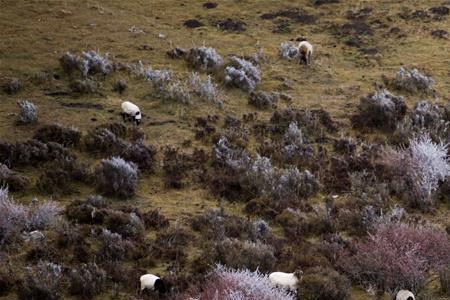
(288, 281)
(404, 295)
(131, 112)
(152, 282)
(305, 50)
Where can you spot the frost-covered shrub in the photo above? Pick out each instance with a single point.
(288, 51)
(263, 99)
(426, 114)
(381, 110)
(66, 136)
(229, 284)
(13, 180)
(178, 92)
(396, 256)
(140, 154)
(28, 112)
(159, 79)
(246, 254)
(412, 81)
(104, 140)
(324, 283)
(92, 62)
(235, 159)
(205, 58)
(242, 74)
(419, 169)
(87, 280)
(205, 89)
(295, 148)
(15, 217)
(116, 177)
(42, 282)
(128, 225)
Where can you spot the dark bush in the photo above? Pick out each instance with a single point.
(85, 86)
(113, 246)
(155, 219)
(128, 225)
(42, 282)
(380, 110)
(89, 211)
(245, 254)
(175, 166)
(262, 99)
(13, 180)
(204, 58)
(68, 62)
(104, 140)
(87, 280)
(324, 284)
(7, 280)
(31, 152)
(116, 177)
(59, 134)
(54, 182)
(140, 154)
(12, 86)
(120, 86)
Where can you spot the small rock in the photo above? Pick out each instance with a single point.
(440, 33)
(193, 23)
(209, 5)
(161, 35)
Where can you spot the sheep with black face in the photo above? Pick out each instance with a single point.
(131, 112)
(153, 283)
(404, 295)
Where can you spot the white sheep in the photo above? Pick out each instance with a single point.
(289, 281)
(405, 295)
(152, 282)
(131, 111)
(305, 50)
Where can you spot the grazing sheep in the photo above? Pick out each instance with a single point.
(131, 112)
(152, 282)
(404, 295)
(306, 50)
(289, 281)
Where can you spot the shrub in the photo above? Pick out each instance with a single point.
(171, 244)
(113, 246)
(412, 81)
(92, 62)
(419, 169)
(262, 99)
(90, 211)
(116, 177)
(396, 256)
(288, 51)
(84, 86)
(28, 112)
(324, 284)
(260, 230)
(128, 225)
(59, 134)
(87, 280)
(11, 179)
(13, 86)
(154, 219)
(242, 74)
(178, 92)
(159, 79)
(175, 166)
(120, 86)
(140, 154)
(205, 89)
(229, 284)
(69, 62)
(205, 58)
(42, 215)
(380, 110)
(104, 140)
(250, 255)
(7, 280)
(42, 282)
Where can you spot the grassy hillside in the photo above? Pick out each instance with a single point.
(355, 43)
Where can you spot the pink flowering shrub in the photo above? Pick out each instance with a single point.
(230, 284)
(396, 256)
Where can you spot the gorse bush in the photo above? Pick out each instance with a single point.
(396, 256)
(412, 81)
(230, 284)
(42, 282)
(242, 74)
(116, 177)
(28, 112)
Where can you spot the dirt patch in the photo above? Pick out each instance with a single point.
(440, 33)
(209, 5)
(82, 105)
(230, 25)
(324, 2)
(440, 10)
(193, 23)
(294, 14)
